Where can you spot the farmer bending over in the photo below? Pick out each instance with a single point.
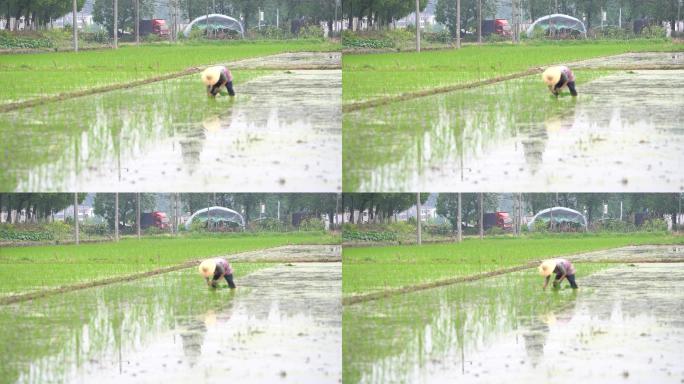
(557, 78)
(562, 268)
(215, 78)
(216, 269)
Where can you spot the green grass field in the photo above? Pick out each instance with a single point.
(25, 269)
(368, 269)
(25, 76)
(369, 76)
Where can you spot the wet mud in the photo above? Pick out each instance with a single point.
(281, 133)
(638, 253)
(291, 253)
(282, 324)
(624, 324)
(623, 133)
(661, 60)
(292, 60)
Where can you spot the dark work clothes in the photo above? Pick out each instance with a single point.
(563, 80)
(229, 279)
(223, 80)
(224, 269)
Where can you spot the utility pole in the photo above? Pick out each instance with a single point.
(479, 21)
(418, 209)
(513, 21)
(458, 42)
(76, 217)
(620, 18)
(137, 21)
(417, 25)
(459, 219)
(137, 213)
(74, 26)
(116, 24)
(116, 216)
(481, 216)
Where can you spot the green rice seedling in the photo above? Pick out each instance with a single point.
(68, 71)
(24, 269)
(369, 76)
(369, 269)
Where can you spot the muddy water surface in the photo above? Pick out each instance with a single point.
(281, 133)
(282, 324)
(292, 60)
(660, 59)
(291, 253)
(623, 133)
(624, 324)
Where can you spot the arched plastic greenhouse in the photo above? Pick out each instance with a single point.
(218, 217)
(559, 25)
(559, 217)
(221, 24)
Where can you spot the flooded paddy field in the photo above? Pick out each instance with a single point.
(624, 324)
(623, 133)
(672, 60)
(291, 253)
(282, 324)
(281, 133)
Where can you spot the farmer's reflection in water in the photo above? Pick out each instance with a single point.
(538, 329)
(192, 140)
(535, 137)
(193, 331)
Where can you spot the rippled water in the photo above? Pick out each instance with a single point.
(281, 133)
(282, 323)
(625, 321)
(623, 133)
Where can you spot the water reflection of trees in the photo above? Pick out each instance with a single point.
(95, 326)
(385, 340)
(445, 131)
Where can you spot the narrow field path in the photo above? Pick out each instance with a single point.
(284, 254)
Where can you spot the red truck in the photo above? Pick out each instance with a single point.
(154, 26)
(154, 219)
(498, 219)
(496, 26)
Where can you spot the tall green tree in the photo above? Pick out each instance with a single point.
(103, 13)
(104, 206)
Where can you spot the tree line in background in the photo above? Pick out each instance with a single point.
(281, 12)
(382, 207)
(36, 12)
(383, 13)
(40, 207)
(658, 10)
(40, 12)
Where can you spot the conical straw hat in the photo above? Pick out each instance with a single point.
(551, 75)
(211, 75)
(207, 268)
(546, 267)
